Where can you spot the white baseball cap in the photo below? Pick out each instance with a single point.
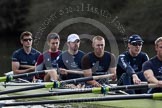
(73, 38)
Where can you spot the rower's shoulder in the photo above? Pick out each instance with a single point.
(33, 50)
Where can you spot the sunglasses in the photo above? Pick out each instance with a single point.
(25, 40)
(137, 44)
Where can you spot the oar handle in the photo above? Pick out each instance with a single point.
(102, 76)
(75, 72)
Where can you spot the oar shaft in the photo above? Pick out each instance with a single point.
(86, 79)
(108, 98)
(77, 80)
(29, 74)
(128, 87)
(22, 89)
(11, 77)
(47, 94)
(55, 84)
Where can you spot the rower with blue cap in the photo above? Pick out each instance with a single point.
(129, 66)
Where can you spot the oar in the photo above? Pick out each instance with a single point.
(107, 98)
(81, 91)
(75, 72)
(11, 77)
(57, 84)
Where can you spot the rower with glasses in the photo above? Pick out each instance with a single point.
(129, 66)
(24, 59)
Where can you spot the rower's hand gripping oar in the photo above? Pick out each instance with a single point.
(57, 84)
(11, 77)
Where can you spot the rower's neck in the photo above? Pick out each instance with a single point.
(53, 51)
(72, 52)
(27, 49)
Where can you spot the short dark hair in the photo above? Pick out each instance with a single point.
(52, 36)
(25, 33)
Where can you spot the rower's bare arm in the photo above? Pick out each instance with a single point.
(88, 73)
(16, 70)
(113, 71)
(149, 75)
(27, 66)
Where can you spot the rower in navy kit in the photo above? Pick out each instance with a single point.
(98, 62)
(153, 68)
(24, 59)
(71, 60)
(129, 66)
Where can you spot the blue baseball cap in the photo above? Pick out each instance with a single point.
(135, 38)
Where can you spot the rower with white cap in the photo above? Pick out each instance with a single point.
(71, 58)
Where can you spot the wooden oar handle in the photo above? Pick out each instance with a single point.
(103, 76)
(75, 72)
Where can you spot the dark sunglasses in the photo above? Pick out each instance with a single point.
(137, 44)
(25, 40)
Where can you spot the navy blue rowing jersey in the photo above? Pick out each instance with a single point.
(99, 65)
(24, 58)
(155, 65)
(70, 62)
(129, 64)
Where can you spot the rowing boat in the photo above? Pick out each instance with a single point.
(135, 103)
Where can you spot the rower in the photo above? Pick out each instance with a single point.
(98, 62)
(153, 68)
(47, 60)
(24, 59)
(71, 60)
(129, 66)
